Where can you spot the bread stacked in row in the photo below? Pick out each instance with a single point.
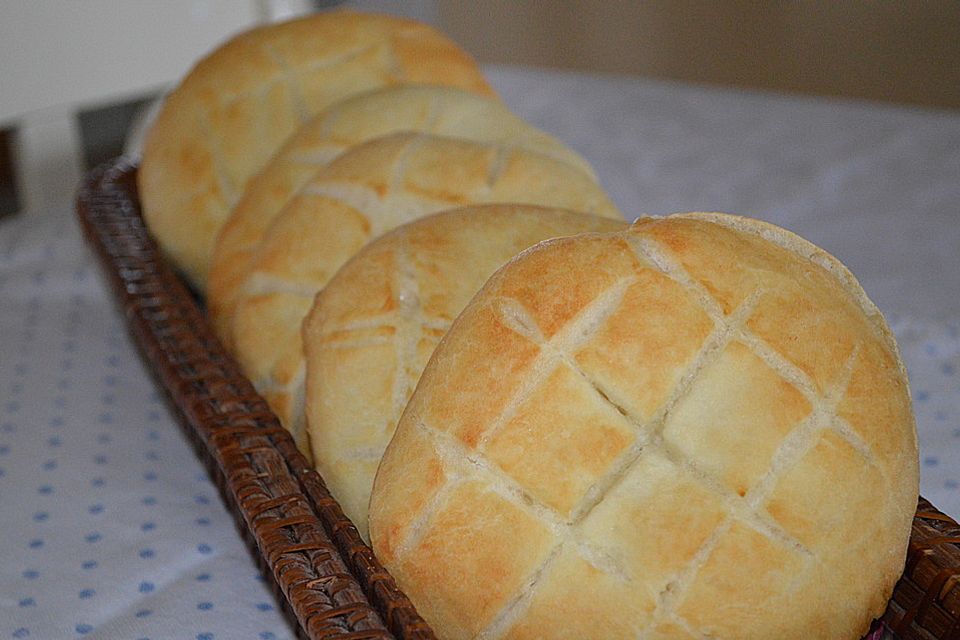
(627, 432)
(233, 110)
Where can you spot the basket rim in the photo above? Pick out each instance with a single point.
(327, 577)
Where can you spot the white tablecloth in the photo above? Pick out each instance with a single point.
(109, 526)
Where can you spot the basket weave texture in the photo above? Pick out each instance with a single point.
(325, 576)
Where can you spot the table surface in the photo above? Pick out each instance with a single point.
(111, 527)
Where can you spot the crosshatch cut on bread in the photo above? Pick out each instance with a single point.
(441, 111)
(374, 325)
(369, 190)
(235, 108)
(700, 427)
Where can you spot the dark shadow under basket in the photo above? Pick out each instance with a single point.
(326, 577)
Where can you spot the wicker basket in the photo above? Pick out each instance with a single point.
(326, 577)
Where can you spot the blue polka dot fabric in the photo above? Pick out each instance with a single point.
(932, 355)
(111, 527)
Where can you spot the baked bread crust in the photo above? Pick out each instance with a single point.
(374, 325)
(367, 191)
(238, 104)
(700, 427)
(437, 110)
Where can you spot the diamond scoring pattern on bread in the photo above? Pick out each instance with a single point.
(372, 329)
(290, 78)
(369, 190)
(237, 106)
(556, 353)
(743, 515)
(434, 109)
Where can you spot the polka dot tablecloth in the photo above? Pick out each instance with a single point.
(109, 525)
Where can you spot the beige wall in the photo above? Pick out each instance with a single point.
(900, 51)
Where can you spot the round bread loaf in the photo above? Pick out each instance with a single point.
(375, 324)
(697, 428)
(237, 105)
(367, 191)
(437, 110)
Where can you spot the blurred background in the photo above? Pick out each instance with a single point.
(78, 79)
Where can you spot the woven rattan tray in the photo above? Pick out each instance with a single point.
(326, 577)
